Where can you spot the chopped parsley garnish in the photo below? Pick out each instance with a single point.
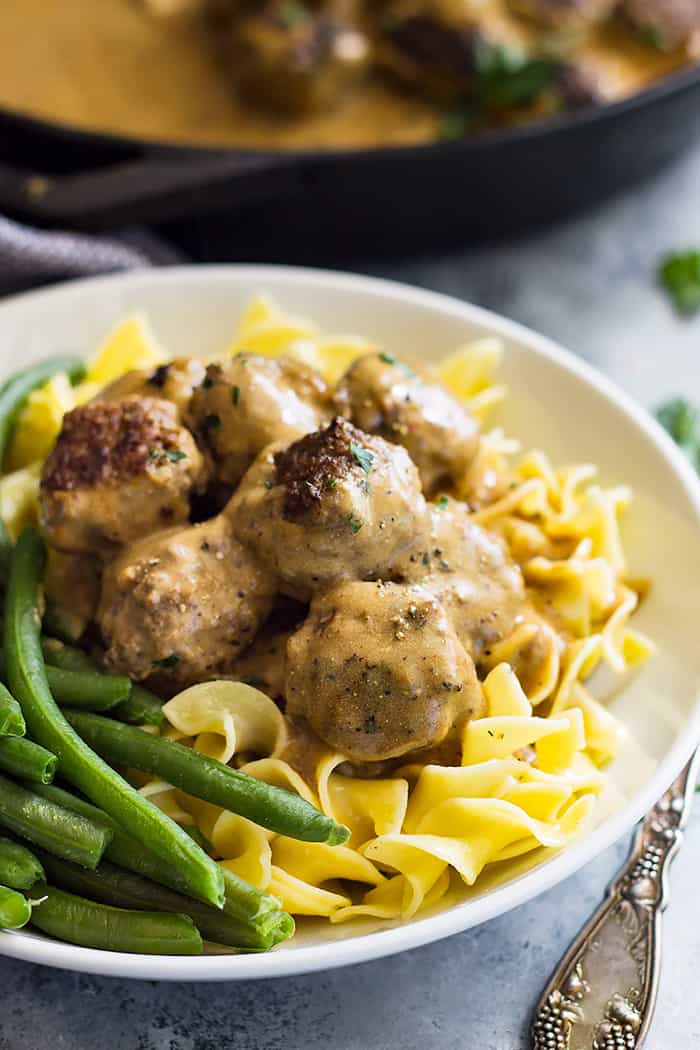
(167, 661)
(455, 124)
(426, 558)
(290, 14)
(235, 394)
(355, 523)
(213, 421)
(172, 454)
(268, 483)
(330, 483)
(389, 359)
(679, 273)
(682, 421)
(362, 456)
(509, 78)
(442, 503)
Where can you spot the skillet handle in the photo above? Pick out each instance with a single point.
(152, 188)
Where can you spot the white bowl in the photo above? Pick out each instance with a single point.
(558, 403)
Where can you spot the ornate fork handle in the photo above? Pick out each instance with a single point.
(602, 995)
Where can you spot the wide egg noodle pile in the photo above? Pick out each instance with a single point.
(530, 769)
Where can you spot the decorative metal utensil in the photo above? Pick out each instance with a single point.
(602, 994)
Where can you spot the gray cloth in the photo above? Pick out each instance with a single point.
(31, 256)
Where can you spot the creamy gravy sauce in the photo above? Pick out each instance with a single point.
(109, 66)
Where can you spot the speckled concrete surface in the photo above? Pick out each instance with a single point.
(589, 284)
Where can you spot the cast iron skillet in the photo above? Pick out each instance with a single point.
(337, 203)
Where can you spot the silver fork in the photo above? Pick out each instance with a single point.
(602, 994)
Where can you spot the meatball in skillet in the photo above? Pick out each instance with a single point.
(387, 397)
(174, 382)
(378, 671)
(118, 470)
(335, 504)
(249, 401)
(182, 605)
(296, 59)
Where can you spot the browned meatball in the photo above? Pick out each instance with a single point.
(249, 401)
(118, 470)
(390, 398)
(174, 382)
(294, 59)
(469, 570)
(182, 605)
(378, 671)
(335, 504)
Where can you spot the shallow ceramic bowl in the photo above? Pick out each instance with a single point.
(557, 403)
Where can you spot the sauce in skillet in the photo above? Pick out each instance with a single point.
(110, 66)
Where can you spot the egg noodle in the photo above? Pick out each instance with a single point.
(530, 769)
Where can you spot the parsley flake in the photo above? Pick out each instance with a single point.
(389, 359)
(426, 558)
(172, 454)
(362, 456)
(355, 523)
(682, 421)
(235, 394)
(167, 661)
(268, 484)
(679, 274)
(442, 503)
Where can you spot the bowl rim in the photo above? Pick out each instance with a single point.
(395, 938)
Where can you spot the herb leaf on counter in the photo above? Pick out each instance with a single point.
(679, 273)
(682, 421)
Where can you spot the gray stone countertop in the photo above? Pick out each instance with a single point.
(588, 283)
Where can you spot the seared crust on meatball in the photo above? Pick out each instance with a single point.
(338, 504)
(378, 672)
(182, 605)
(174, 381)
(249, 401)
(118, 470)
(390, 398)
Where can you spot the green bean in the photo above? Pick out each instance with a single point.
(15, 910)
(22, 758)
(78, 921)
(245, 904)
(43, 822)
(142, 708)
(5, 552)
(11, 717)
(63, 624)
(66, 657)
(123, 889)
(77, 763)
(271, 807)
(16, 390)
(19, 868)
(88, 690)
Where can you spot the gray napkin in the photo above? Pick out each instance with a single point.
(29, 256)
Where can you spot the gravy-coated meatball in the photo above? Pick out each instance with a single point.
(387, 397)
(182, 605)
(118, 470)
(249, 401)
(335, 504)
(470, 572)
(174, 382)
(378, 671)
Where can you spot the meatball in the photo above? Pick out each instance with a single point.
(296, 62)
(182, 605)
(387, 397)
(174, 382)
(249, 401)
(378, 672)
(118, 470)
(470, 572)
(667, 23)
(335, 504)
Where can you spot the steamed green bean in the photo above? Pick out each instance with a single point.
(19, 867)
(11, 718)
(26, 760)
(15, 910)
